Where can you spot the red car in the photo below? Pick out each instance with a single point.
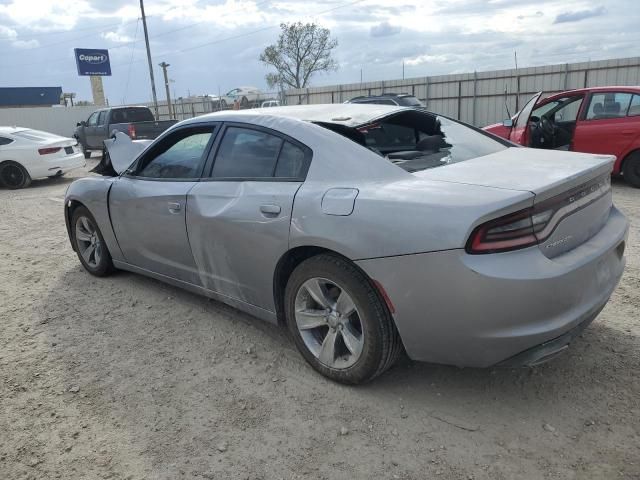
(591, 120)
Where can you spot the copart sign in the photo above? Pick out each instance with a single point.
(92, 62)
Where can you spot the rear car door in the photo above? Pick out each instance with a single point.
(238, 219)
(148, 202)
(605, 126)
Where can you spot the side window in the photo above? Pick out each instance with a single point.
(93, 119)
(634, 107)
(5, 141)
(291, 162)
(180, 155)
(608, 105)
(569, 111)
(102, 117)
(245, 153)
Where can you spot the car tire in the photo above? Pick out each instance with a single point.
(631, 170)
(14, 176)
(86, 234)
(223, 105)
(244, 102)
(361, 344)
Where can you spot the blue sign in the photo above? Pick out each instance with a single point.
(92, 62)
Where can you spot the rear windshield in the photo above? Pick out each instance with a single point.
(411, 101)
(131, 115)
(36, 135)
(416, 141)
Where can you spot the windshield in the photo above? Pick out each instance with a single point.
(416, 141)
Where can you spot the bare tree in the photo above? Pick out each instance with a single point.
(302, 50)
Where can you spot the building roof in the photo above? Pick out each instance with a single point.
(29, 96)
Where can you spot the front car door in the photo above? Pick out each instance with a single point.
(608, 124)
(519, 132)
(148, 202)
(99, 130)
(238, 219)
(90, 128)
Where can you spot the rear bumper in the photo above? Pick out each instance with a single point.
(480, 310)
(56, 166)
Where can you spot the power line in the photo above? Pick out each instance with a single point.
(133, 49)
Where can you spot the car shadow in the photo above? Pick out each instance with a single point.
(99, 305)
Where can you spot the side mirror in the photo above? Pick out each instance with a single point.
(507, 123)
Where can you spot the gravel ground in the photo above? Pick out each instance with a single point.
(128, 378)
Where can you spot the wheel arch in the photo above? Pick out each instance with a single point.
(294, 257)
(70, 206)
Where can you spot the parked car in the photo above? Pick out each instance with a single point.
(246, 97)
(137, 122)
(366, 229)
(402, 99)
(592, 120)
(27, 154)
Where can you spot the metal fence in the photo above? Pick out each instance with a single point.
(479, 98)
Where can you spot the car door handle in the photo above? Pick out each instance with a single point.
(270, 209)
(174, 207)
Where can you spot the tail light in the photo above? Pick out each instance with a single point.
(48, 150)
(132, 132)
(534, 225)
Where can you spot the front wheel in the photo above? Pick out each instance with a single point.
(90, 245)
(14, 176)
(338, 320)
(631, 170)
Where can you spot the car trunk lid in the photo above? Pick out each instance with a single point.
(572, 191)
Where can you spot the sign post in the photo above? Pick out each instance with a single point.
(95, 64)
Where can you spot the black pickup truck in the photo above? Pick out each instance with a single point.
(137, 122)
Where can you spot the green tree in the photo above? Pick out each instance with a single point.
(301, 51)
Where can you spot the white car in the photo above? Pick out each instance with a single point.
(245, 96)
(270, 103)
(27, 154)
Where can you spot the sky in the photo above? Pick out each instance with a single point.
(213, 45)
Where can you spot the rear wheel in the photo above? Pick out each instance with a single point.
(90, 246)
(244, 103)
(14, 176)
(338, 320)
(631, 170)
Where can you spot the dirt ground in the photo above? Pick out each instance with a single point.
(128, 378)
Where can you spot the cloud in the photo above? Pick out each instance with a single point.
(385, 29)
(26, 43)
(7, 33)
(116, 37)
(580, 15)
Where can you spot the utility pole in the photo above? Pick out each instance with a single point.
(146, 41)
(164, 66)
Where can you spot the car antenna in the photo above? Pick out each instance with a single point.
(506, 107)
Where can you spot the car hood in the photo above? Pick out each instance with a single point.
(122, 151)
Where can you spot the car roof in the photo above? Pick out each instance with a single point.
(349, 114)
(620, 88)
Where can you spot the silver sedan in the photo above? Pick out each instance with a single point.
(367, 230)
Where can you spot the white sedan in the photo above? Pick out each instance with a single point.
(27, 154)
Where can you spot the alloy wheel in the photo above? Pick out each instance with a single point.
(329, 323)
(88, 241)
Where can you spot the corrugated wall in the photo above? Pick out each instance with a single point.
(479, 98)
